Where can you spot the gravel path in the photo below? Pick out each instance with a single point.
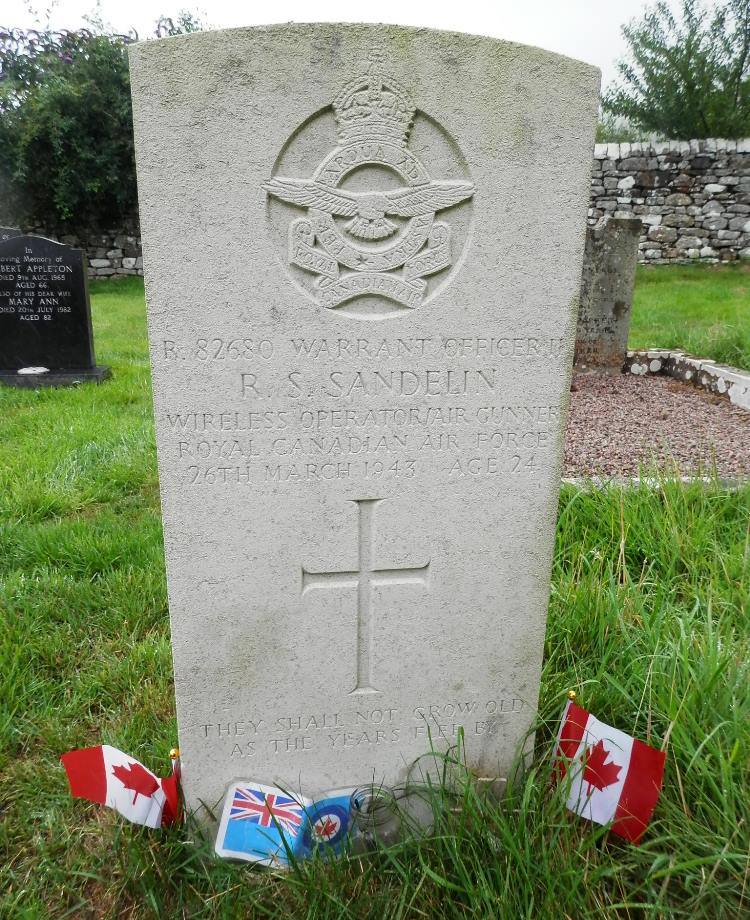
(619, 422)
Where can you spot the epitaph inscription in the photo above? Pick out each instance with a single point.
(45, 318)
(360, 388)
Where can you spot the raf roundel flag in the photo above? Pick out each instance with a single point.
(611, 777)
(262, 824)
(328, 822)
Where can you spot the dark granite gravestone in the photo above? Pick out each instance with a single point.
(45, 317)
(7, 233)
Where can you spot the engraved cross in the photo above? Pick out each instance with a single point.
(365, 577)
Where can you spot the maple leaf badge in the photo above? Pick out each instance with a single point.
(326, 827)
(137, 779)
(598, 770)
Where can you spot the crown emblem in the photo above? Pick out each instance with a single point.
(373, 106)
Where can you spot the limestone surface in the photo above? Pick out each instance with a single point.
(361, 322)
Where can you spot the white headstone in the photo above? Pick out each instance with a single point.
(362, 248)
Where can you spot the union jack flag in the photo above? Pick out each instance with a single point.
(266, 809)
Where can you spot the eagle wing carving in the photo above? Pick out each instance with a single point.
(428, 198)
(368, 209)
(309, 194)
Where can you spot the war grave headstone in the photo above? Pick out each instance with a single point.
(360, 388)
(607, 283)
(46, 337)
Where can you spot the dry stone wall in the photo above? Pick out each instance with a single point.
(693, 197)
(111, 252)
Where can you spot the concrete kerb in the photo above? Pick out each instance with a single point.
(730, 383)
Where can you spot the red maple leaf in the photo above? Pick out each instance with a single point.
(597, 772)
(325, 828)
(136, 778)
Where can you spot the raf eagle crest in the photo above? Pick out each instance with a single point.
(384, 241)
(368, 209)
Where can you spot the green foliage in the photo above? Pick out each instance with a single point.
(610, 130)
(66, 132)
(66, 125)
(688, 76)
(648, 621)
(184, 22)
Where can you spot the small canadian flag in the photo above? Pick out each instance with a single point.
(105, 775)
(612, 778)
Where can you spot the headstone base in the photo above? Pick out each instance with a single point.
(55, 378)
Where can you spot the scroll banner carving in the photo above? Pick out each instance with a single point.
(407, 289)
(434, 258)
(357, 284)
(303, 254)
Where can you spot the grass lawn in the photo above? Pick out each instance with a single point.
(702, 309)
(648, 620)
